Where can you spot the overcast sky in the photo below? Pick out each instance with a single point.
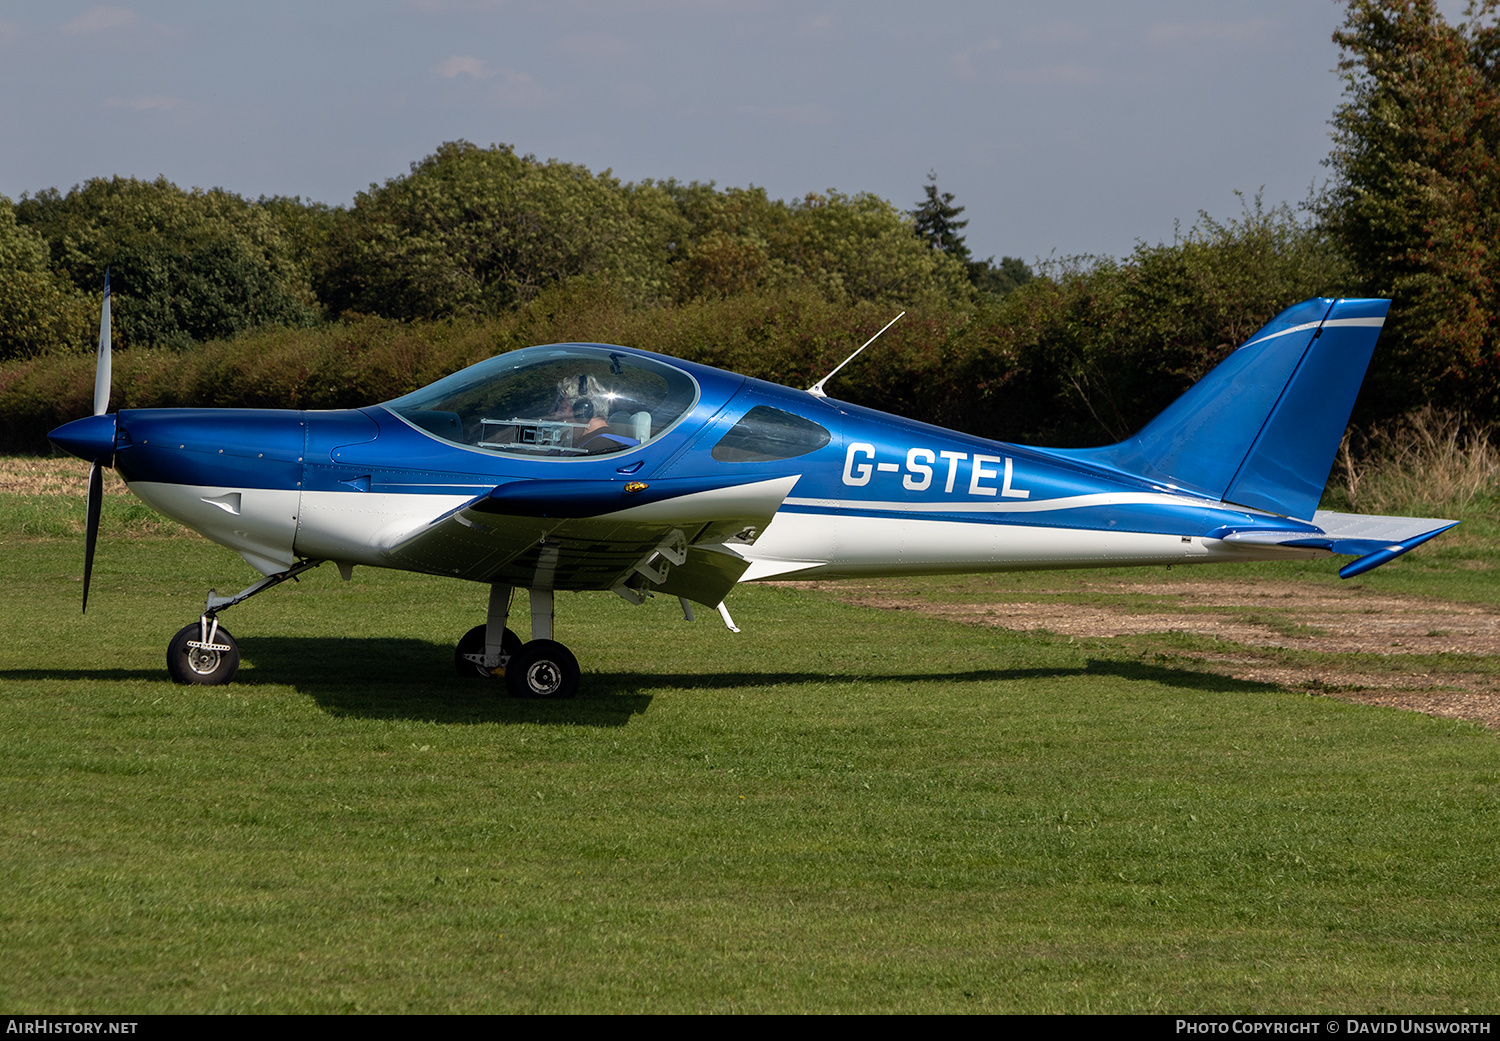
(1063, 128)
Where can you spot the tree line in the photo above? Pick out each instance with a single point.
(476, 250)
(469, 232)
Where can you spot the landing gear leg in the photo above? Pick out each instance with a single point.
(204, 652)
(541, 614)
(485, 650)
(540, 668)
(543, 668)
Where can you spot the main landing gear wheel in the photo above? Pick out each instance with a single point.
(211, 662)
(473, 643)
(543, 669)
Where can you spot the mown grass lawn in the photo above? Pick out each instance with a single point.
(839, 809)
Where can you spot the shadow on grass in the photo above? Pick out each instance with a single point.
(1208, 682)
(80, 675)
(415, 679)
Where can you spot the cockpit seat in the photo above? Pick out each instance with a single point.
(606, 440)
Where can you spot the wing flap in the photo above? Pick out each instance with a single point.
(507, 535)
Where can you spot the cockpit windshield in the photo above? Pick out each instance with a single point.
(567, 400)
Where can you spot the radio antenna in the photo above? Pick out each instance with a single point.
(816, 390)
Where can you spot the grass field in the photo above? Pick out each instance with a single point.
(842, 808)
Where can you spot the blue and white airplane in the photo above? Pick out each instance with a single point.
(584, 466)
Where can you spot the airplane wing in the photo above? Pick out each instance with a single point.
(1374, 540)
(633, 537)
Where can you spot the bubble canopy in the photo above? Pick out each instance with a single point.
(563, 401)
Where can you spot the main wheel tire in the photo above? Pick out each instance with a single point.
(473, 643)
(543, 669)
(199, 665)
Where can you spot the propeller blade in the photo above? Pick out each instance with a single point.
(103, 371)
(91, 536)
(103, 377)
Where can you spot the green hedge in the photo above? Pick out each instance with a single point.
(1084, 354)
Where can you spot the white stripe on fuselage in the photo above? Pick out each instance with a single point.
(1064, 502)
(275, 526)
(840, 545)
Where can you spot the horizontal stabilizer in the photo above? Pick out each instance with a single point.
(1355, 535)
(1374, 540)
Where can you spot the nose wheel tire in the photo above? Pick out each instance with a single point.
(209, 663)
(473, 643)
(543, 669)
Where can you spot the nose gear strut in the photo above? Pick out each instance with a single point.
(203, 652)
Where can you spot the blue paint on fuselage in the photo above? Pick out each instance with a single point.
(213, 447)
(872, 461)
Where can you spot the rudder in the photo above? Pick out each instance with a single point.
(1263, 427)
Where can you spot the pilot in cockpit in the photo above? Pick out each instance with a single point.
(585, 402)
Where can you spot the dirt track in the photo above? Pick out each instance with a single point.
(1255, 615)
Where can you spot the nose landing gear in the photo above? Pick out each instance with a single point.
(203, 653)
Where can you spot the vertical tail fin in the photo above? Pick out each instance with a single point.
(1263, 427)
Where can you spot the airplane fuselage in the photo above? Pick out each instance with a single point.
(883, 496)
